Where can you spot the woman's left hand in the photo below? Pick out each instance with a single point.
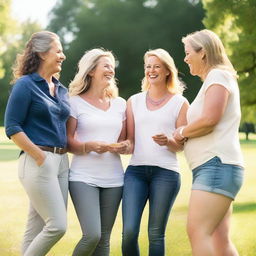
(119, 147)
(160, 139)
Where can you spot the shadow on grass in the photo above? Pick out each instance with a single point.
(248, 142)
(244, 207)
(9, 154)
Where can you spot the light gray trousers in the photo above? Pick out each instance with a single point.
(47, 189)
(96, 209)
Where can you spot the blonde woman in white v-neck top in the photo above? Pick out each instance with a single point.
(96, 132)
(153, 172)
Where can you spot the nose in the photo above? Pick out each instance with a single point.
(63, 57)
(111, 70)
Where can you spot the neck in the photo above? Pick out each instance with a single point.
(158, 91)
(44, 74)
(96, 93)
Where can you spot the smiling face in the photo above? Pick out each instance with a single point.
(155, 70)
(194, 60)
(104, 72)
(52, 59)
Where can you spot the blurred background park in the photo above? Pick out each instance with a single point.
(129, 28)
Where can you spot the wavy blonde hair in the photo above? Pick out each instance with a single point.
(173, 84)
(215, 54)
(82, 80)
(28, 62)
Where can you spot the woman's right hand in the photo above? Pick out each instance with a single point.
(96, 146)
(41, 158)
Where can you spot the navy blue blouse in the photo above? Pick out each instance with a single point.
(32, 110)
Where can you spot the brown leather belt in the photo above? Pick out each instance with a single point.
(55, 150)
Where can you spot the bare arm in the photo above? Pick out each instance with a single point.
(130, 126)
(80, 148)
(170, 142)
(23, 142)
(215, 103)
(74, 146)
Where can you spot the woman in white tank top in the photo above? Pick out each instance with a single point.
(153, 172)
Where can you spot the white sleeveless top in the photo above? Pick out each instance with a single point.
(223, 141)
(151, 122)
(94, 124)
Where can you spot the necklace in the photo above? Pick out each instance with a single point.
(156, 102)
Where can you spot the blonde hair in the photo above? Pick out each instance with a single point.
(82, 80)
(28, 62)
(173, 84)
(215, 54)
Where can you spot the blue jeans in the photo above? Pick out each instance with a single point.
(158, 185)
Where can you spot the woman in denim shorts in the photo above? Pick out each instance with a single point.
(212, 145)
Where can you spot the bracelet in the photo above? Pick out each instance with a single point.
(181, 135)
(84, 148)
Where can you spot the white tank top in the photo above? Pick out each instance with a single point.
(149, 123)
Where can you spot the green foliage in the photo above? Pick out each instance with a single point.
(21, 34)
(129, 28)
(6, 26)
(235, 22)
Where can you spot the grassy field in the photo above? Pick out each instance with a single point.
(14, 204)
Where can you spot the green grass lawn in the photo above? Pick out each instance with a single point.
(14, 204)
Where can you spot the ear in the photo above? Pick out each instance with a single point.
(41, 55)
(203, 54)
(91, 73)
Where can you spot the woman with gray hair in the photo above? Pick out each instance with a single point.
(212, 145)
(96, 132)
(35, 119)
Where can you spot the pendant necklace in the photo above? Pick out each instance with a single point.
(156, 102)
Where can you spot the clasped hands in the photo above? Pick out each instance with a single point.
(102, 147)
(163, 140)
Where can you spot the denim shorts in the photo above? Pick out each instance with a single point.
(216, 177)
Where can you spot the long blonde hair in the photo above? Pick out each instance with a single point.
(173, 84)
(215, 54)
(82, 80)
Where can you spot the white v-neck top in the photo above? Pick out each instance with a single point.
(223, 141)
(152, 122)
(94, 124)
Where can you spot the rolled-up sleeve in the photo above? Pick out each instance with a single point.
(17, 108)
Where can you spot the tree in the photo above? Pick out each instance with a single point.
(7, 25)
(13, 47)
(235, 22)
(128, 28)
